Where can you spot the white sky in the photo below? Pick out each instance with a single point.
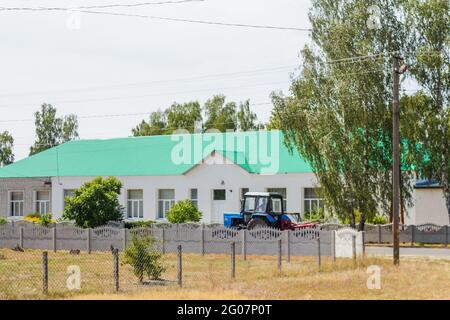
(105, 67)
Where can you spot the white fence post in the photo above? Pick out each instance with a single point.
(203, 239)
(124, 238)
(21, 237)
(288, 245)
(244, 244)
(333, 245)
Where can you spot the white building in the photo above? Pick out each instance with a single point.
(213, 169)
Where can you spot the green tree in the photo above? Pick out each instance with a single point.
(95, 203)
(220, 115)
(156, 126)
(184, 211)
(339, 113)
(51, 130)
(247, 118)
(428, 23)
(6, 148)
(145, 258)
(183, 116)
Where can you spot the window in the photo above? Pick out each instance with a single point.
(283, 192)
(276, 205)
(313, 202)
(166, 199)
(219, 194)
(16, 203)
(135, 204)
(242, 194)
(194, 196)
(255, 204)
(42, 202)
(67, 194)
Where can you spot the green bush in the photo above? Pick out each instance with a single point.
(316, 215)
(46, 219)
(184, 211)
(379, 220)
(144, 258)
(95, 203)
(138, 224)
(3, 221)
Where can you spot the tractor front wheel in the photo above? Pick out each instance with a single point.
(257, 223)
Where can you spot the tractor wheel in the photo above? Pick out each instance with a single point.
(257, 223)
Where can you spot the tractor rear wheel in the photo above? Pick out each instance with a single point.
(257, 223)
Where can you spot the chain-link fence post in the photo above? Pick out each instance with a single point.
(45, 272)
(180, 265)
(163, 240)
(412, 235)
(115, 253)
(233, 260)
(363, 240)
(88, 240)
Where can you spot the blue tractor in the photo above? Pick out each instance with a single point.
(262, 209)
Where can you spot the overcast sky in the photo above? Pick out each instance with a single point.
(112, 64)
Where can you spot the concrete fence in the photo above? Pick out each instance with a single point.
(423, 233)
(193, 238)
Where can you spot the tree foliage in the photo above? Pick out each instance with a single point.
(216, 113)
(6, 148)
(95, 203)
(51, 130)
(339, 114)
(428, 110)
(184, 211)
(145, 258)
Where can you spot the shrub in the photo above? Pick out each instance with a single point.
(33, 217)
(184, 211)
(95, 203)
(138, 224)
(3, 221)
(379, 220)
(46, 219)
(144, 258)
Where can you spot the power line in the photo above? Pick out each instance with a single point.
(97, 116)
(116, 5)
(152, 95)
(162, 82)
(206, 22)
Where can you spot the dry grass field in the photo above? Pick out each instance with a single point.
(208, 277)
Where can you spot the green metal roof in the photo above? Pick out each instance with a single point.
(256, 152)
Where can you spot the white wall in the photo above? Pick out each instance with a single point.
(205, 178)
(430, 206)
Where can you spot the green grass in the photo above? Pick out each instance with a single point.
(209, 277)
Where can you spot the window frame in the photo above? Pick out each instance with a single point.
(10, 203)
(39, 204)
(284, 195)
(137, 205)
(167, 204)
(194, 200)
(318, 201)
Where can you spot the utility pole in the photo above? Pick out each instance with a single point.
(396, 72)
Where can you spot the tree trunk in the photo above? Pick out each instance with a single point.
(351, 213)
(362, 222)
(390, 213)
